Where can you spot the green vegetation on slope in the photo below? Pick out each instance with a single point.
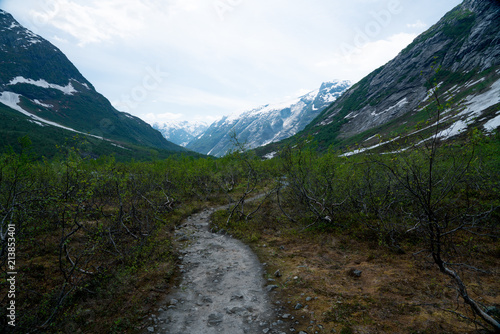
(47, 139)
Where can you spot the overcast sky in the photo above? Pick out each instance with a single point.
(167, 60)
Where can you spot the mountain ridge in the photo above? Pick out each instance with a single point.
(40, 82)
(458, 57)
(267, 123)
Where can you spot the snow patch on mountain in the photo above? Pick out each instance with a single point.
(43, 104)
(395, 107)
(13, 25)
(12, 100)
(492, 124)
(478, 103)
(270, 155)
(364, 149)
(474, 107)
(67, 90)
(33, 38)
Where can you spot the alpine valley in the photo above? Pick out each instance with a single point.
(364, 208)
(43, 95)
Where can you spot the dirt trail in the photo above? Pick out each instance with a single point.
(222, 289)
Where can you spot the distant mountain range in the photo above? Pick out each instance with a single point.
(43, 95)
(267, 124)
(459, 57)
(181, 132)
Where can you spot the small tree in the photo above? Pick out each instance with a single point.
(248, 164)
(314, 186)
(441, 184)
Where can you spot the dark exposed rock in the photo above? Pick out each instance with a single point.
(215, 319)
(355, 272)
(271, 288)
(299, 306)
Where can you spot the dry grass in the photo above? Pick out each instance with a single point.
(396, 293)
(117, 300)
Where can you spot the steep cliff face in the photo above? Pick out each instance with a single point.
(269, 123)
(464, 44)
(39, 83)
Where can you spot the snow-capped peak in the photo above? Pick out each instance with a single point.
(270, 108)
(336, 83)
(181, 132)
(268, 123)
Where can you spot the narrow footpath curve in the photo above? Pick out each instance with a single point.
(222, 289)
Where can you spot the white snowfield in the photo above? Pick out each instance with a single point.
(397, 106)
(48, 106)
(493, 123)
(67, 90)
(474, 106)
(271, 114)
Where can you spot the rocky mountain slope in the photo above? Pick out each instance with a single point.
(268, 123)
(181, 133)
(44, 95)
(459, 57)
